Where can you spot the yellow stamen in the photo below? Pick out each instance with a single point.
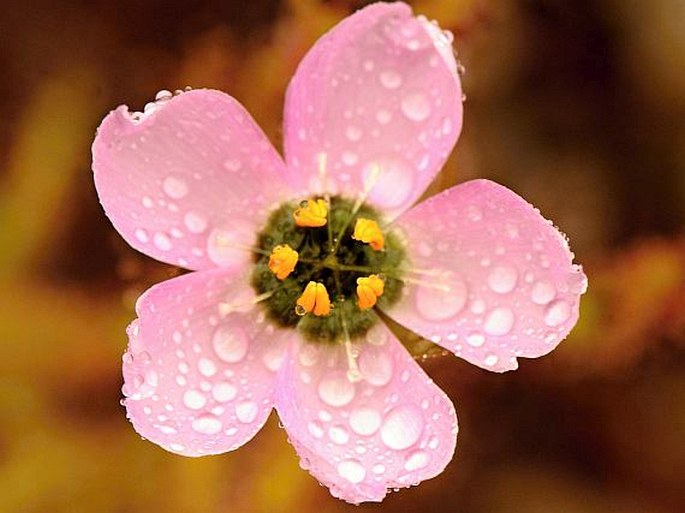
(282, 261)
(369, 289)
(367, 230)
(311, 214)
(314, 300)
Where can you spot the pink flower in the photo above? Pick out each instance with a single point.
(372, 113)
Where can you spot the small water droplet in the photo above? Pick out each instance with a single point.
(246, 411)
(142, 235)
(416, 460)
(175, 187)
(502, 279)
(383, 116)
(491, 360)
(475, 339)
(499, 321)
(416, 106)
(232, 164)
(147, 202)
(376, 367)
(339, 435)
(352, 470)
(195, 222)
(542, 292)
(365, 421)
(207, 424)
(354, 133)
(315, 429)
(224, 392)
(390, 79)
(336, 390)
(162, 241)
(194, 399)
(230, 343)
(442, 304)
(402, 427)
(557, 313)
(206, 367)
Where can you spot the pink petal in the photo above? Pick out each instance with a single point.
(380, 90)
(503, 282)
(390, 429)
(187, 180)
(199, 375)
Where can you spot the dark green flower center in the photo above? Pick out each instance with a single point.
(327, 255)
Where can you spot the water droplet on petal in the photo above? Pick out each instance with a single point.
(440, 305)
(502, 279)
(402, 427)
(194, 399)
(336, 390)
(232, 164)
(351, 470)
(390, 79)
(500, 321)
(224, 392)
(475, 339)
(142, 235)
(416, 461)
(195, 222)
(207, 424)
(542, 292)
(315, 429)
(376, 367)
(230, 343)
(339, 435)
(491, 360)
(557, 313)
(416, 106)
(175, 187)
(162, 241)
(206, 367)
(246, 411)
(365, 421)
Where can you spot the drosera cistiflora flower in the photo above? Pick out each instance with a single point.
(293, 258)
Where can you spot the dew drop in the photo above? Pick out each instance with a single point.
(354, 133)
(557, 313)
(336, 390)
(175, 187)
(416, 106)
(207, 424)
(440, 305)
(499, 321)
(351, 470)
(147, 202)
(224, 392)
(542, 292)
(365, 421)
(230, 344)
(206, 367)
(194, 399)
(142, 235)
(195, 222)
(390, 79)
(315, 429)
(402, 427)
(232, 164)
(502, 279)
(491, 360)
(378, 469)
(339, 435)
(162, 241)
(376, 367)
(246, 411)
(475, 339)
(416, 461)
(383, 116)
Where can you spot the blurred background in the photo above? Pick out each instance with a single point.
(579, 106)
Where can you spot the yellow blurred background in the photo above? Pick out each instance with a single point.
(579, 106)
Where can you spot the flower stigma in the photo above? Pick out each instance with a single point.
(324, 276)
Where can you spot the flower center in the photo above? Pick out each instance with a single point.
(324, 265)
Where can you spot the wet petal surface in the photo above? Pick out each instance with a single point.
(377, 103)
(188, 181)
(200, 368)
(497, 279)
(389, 426)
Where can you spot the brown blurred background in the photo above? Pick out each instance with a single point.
(579, 106)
